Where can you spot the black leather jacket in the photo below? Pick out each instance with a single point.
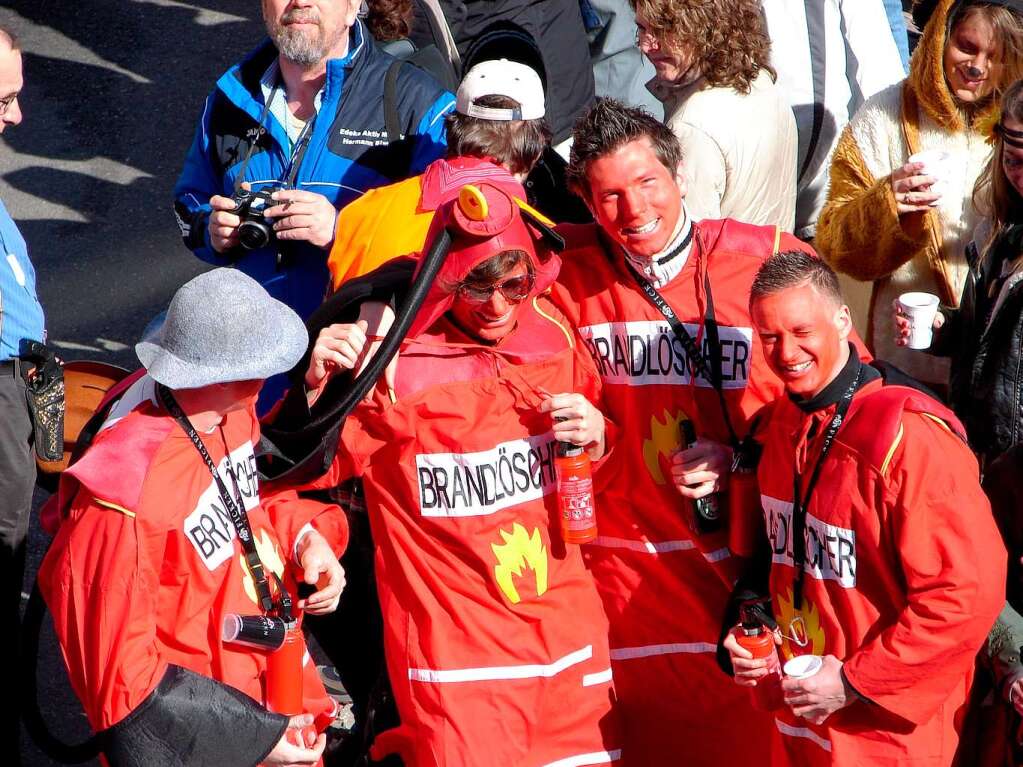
(987, 358)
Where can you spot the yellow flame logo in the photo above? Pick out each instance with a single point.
(519, 549)
(807, 629)
(664, 440)
(268, 555)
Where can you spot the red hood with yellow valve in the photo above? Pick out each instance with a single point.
(485, 221)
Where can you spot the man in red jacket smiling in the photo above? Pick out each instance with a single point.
(691, 361)
(886, 560)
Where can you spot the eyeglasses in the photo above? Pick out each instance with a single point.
(514, 290)
(5, 103)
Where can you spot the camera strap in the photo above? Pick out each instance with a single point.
(801, 501)
(287, 179)
(240, 178)
(697, 362)
(301, 144)
(235, 508)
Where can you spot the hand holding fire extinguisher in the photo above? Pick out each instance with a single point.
(278, 634)
(579, 428)
(294, 747)
(753, 648)
(576, 421)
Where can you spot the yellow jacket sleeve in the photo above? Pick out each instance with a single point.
(860, 232)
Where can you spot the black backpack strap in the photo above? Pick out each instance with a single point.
(391, 119)
(893, 376)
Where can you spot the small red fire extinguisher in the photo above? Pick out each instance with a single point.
(284, 673)
(575, 494)
(281, 639)
(758, 639)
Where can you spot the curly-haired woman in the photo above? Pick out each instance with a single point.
(738, 133)
(884, 225)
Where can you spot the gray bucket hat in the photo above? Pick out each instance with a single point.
(223, 326)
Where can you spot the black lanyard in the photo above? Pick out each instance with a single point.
(235, 508)
(800, 506)
(287, 179)
(697, 363)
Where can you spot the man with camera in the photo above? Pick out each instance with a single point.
(292, 134)
(166, 539)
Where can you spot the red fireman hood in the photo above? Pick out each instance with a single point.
(443, 179)
(484, 221)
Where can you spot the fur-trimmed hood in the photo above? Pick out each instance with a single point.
(927, 75)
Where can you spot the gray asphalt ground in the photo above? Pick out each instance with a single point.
(113, 91)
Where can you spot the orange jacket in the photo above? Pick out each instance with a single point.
(904, 573)
(393, 221)
(147, 564)
(495, 640)
(383, 224)
(664, 588)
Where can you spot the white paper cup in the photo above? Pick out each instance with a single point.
(803, 666)
(920, 308)
(939, 165)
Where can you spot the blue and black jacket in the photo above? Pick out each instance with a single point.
(348, 154)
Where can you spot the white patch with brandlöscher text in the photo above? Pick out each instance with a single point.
(830, 550)
(647, 353)
(209, 527)
(478, 484)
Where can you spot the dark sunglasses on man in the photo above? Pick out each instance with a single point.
(514, 289)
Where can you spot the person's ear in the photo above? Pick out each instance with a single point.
(353, 12)
(680, 180)
(843, 321)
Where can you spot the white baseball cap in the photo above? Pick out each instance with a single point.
(501, 77)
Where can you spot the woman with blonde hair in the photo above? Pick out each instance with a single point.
(737, 131)
(893, 225)
(983, 336)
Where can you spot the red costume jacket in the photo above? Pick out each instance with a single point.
(495, 640)
(143, 570)
(664, 588)
(904, 572)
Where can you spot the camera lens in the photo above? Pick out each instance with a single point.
(707, 508)
(254, 234)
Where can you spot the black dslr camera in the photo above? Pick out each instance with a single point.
(255, 231)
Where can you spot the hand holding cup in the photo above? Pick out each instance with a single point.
(920, 184)
(916, 319)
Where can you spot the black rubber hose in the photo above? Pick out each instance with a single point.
(367, 379)
(48, 743)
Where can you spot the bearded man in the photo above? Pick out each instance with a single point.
(305, 114)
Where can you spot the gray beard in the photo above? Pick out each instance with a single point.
(304, 50)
